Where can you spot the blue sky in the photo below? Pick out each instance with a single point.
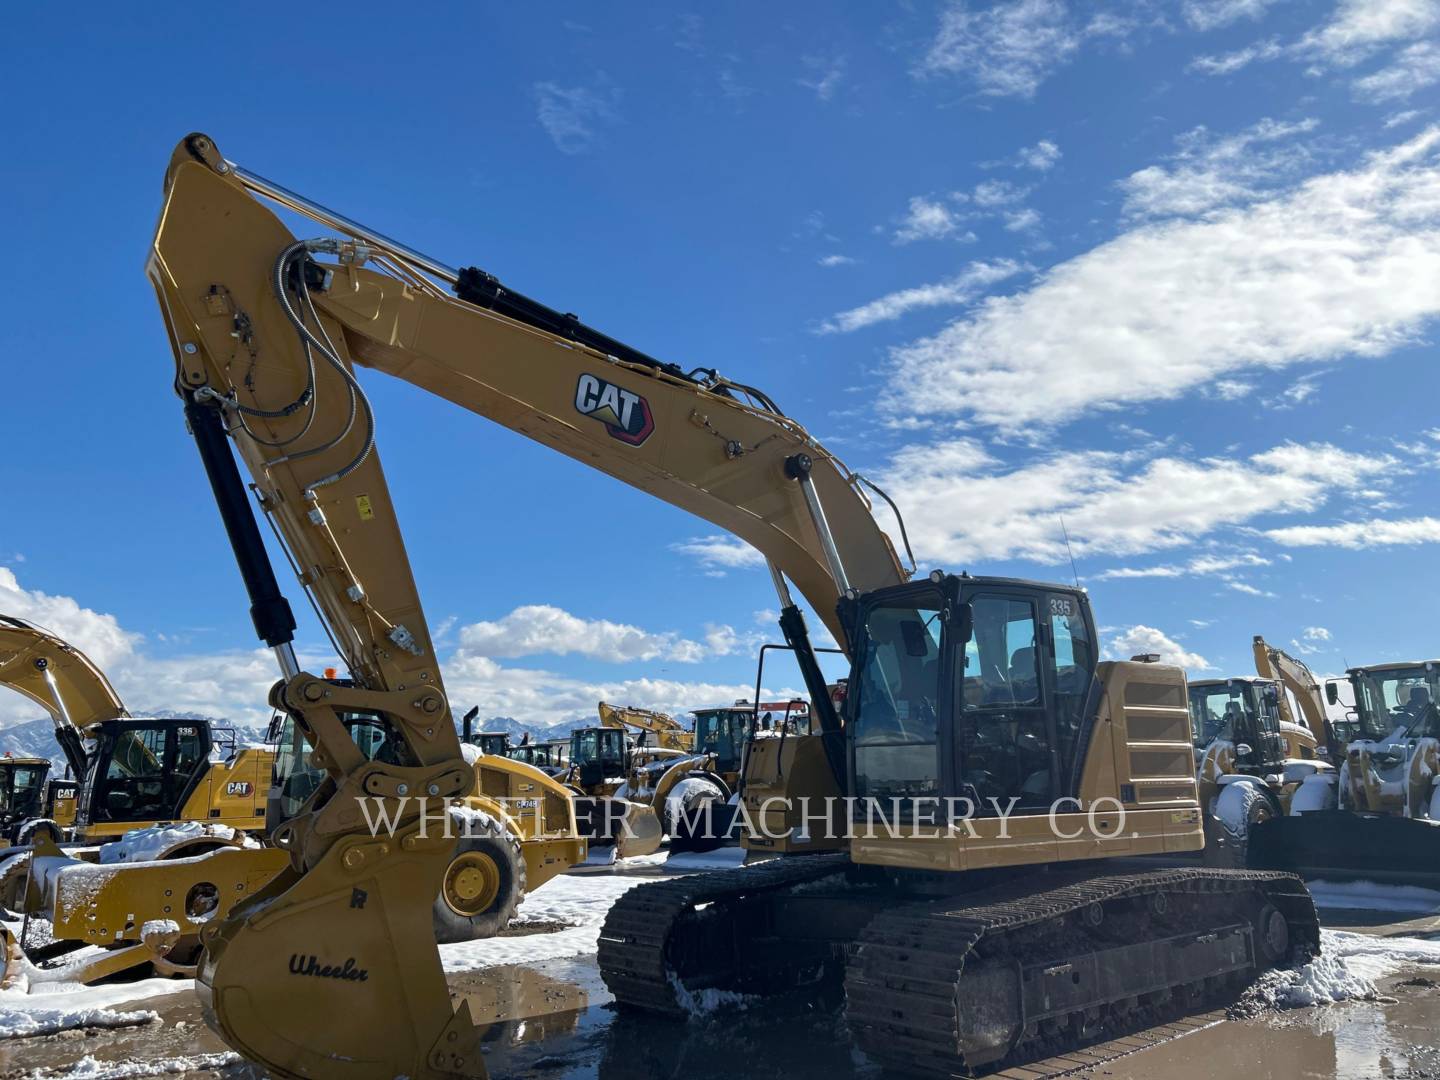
(1168, 272)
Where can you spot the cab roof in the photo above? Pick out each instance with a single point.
(1394, 665)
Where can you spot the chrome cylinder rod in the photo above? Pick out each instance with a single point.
(325, 216)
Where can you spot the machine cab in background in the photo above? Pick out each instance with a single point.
(1244, 712)
(724, 732)
(598, 755)
(142, 770)
(969, 688)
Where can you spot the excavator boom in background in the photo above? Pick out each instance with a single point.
(959, 686)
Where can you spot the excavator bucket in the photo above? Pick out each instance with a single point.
(336, 973)
(1342, 845)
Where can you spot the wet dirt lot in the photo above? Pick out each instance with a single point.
(553, 1020)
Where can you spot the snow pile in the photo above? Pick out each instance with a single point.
(470, 752)
(157, 927)
(1347, 969)
(1369, 896)
(19, 1023)
(89, 1068)
(469, 822)
(147, 845)
(580, 901)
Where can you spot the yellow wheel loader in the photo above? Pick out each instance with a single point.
(1252, 760)
(1371, 808)
(960, 943)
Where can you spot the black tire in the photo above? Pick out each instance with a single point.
(472, 903)
(690, 792)
(1237, 809)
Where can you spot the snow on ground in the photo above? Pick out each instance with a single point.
(61, 1006)
(88, 1068)
(581, 901)
(1369, 896)
(1348, 967)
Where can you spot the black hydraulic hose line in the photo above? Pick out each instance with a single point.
(899, 519)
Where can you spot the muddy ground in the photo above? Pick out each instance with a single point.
(553, 1020)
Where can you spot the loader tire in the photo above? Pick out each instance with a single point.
(482, 887)
(688, 797)
(1236, 810)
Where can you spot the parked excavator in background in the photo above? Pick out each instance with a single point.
(959, 686)
(1368, 809)
(132, 772)
(496, 743)
(660, 730)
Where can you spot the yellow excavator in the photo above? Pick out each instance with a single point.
(165, 790)
(1371, 809)
(961, 943)
(664, 731)
(133, 772)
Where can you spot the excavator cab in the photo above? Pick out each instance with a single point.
(973, 689)
(142, 770)
(597, 754)
(1244, 712)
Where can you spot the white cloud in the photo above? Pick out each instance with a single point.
(543, 698)
(1357, 535)
(1231, 389)
(572, 115)
(1141, 640)
(831, 261)
(1210, 14)
(1201, 565)
(232, 684)
(1347, 263)
(929, 219)
(94, 633)
(960, 289)
(717, 554)
(992, 194)
(1248, 590)
(1042, 156)
(1414, 68)
(1210, 172)
(1007, 50)
(1022, 220)
(1403, 117)
(1316, 633)
(535, 629)
(961, 505)
(1359, 27)
(1231, 62)
(825, 75)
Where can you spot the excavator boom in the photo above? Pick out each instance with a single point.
(1296, 676)
(266, 331)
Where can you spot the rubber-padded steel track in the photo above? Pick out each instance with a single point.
(634, 942)
(906, 1000)
(909, 1005)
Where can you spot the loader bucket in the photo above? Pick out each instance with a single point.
(633, 828)
(1343, 845)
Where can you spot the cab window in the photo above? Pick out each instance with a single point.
(895, 711)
